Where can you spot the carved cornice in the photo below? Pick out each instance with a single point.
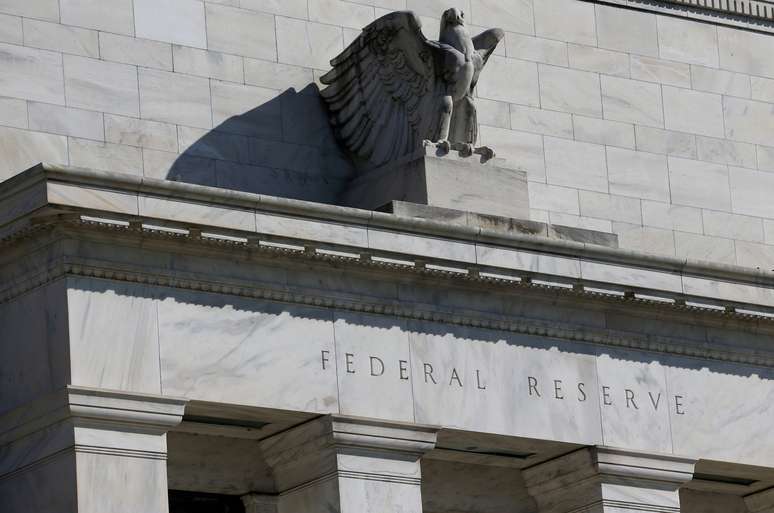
(511, 324)
(760, 9)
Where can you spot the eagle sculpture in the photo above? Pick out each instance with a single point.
(393, 90)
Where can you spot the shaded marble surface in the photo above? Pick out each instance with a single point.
(223, 349)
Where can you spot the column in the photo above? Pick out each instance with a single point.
(348, 465)
(84, 450)
(603, 480)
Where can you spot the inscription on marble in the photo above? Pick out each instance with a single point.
(554, 389)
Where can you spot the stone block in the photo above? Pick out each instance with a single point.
(638, 174)
(721, 82)
(171, 166)
(129, 358)
(101, 86)
(589, 58)
(519, 150)
(11, 29)
(344, 14)
(732, 226)
(61, 38)
(289, 338)
(55, 119)
(21, 149)
(576, 164)
(632, 101)
(434, 8)
(765, 156)
(608, 206)
(175, 98)
(554, 199)
(291, 8)
(627, 31)
(140, 132)
(215, 145)
(274, 75)
(510, 80)
(762, 89)
(699, 184)
(493, 113)
(130, 50)
(748, 121)
(672, 217)
(566, 20)
(745, 51)
(205, 63)
(31, 74)
(756, 256)
(724, 151)
(602, 131)
(539, 121)
(536, 49)
(42, 9)
(307, 44)
(645, 239)
(693, 111)
(580, 222)
(514, 16)
(116, 16)
(13, 113)
(447, 181)
(246, 110)
(173, 21)
(375, 346)
(748, 192)
(656, 140)
(768, 230)
(105, 156)
(570, 91)
(650, 69)
(688, 41)
(703, 248)
(241, 32)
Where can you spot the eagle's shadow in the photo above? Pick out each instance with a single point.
(282, 147)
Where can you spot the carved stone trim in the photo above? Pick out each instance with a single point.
(756, 14)
(553, 329)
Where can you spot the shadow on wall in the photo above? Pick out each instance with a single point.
(283, 147)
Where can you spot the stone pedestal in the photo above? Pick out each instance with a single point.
(85, 450)
(347, 465)
(447, 181)
(602, 480)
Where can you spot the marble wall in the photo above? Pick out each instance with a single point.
(261, 353)
(657, 128)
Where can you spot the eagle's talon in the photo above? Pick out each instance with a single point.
(486, 153)
(465, 149)
(443, 146)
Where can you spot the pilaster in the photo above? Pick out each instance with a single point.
(349, 465)
(87, 451)
(603, 480)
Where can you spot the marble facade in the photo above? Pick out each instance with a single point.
(204, 308)
(290, 357)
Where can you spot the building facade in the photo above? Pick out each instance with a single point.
(194, 318)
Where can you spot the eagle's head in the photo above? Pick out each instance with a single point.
(453, 17)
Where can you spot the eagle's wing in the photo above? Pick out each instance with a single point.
(381, 88)
(485, 44)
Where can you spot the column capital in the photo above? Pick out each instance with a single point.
(96, 408)
(313, 449)
(606, 477)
